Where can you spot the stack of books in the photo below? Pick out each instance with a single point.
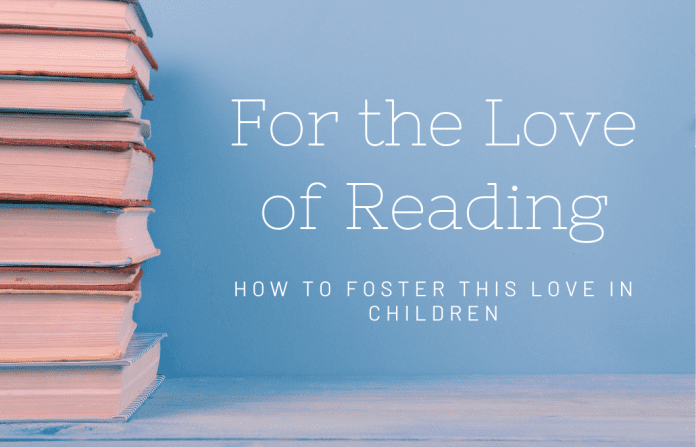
(74, 179)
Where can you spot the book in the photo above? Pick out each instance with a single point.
(61, 127)
(77, 53)
(57, 325)
(84, 391)
(71, 96)
(125, 278)
(75, 172)
(74, 181)
(93, 15)
(74, 235)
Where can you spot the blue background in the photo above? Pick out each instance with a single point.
(314, 56)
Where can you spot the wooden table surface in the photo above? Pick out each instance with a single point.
(355, 411)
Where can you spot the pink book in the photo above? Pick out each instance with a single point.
(106, 173)
(59, 325)
(74, 235)
(84, 128)
(113, 279)
(87, 391)
(71, 96)
(125, 16)
(74, 53)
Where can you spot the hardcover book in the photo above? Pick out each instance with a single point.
(94, 15)
(76, 53)
(125, 278)
(74, 235)
(54, 325)
(59, 127)
(71, 96)
(98, 391)
(75, 172)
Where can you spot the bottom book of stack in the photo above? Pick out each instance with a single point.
(82, 391)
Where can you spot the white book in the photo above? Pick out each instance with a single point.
(97, 15)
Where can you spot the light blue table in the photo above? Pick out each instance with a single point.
(355, 411)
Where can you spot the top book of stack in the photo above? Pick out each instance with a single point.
(96, 39)
(124, 16)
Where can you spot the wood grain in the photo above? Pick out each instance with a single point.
(474, 410)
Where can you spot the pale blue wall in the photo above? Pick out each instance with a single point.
(316, 56)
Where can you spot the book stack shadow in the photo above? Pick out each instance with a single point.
(75, 174)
